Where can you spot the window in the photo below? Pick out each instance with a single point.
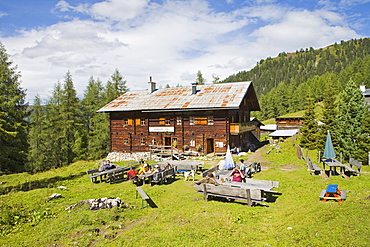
(154, 141)
(201, 121)
(178, 121)
(210, 120)
(192, 120)
(142, 141)
(167, 121)
(125, 140)
(192, 143)
(142, 121)
(127, 121)
(162, 121)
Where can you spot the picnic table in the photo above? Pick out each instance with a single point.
(111, 175)
(251, 183)
(333, 193)
(333, 164)
(147, 177)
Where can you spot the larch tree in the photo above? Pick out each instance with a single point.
(38, 138)
(96, 124)
(200, 79)
(53, 128)
(70, 122)
(13, 113)
(115, 87)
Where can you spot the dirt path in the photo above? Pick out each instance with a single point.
(257, 157)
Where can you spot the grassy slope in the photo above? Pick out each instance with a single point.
(183, 218)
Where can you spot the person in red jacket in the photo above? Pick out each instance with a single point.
(237, 175)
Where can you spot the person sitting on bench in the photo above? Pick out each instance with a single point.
(209, 179)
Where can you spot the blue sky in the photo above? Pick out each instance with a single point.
(166, 39)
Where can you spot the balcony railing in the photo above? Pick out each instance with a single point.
(237, 128)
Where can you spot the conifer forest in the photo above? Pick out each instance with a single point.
(54, 132)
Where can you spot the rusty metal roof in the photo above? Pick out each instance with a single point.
(213, 96)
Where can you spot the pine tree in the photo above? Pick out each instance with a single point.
(309, 129)
(363, 140)
(350, 116)
(13, 112)
(328, 114)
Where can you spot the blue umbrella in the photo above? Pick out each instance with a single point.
(229, 163)
(329, 149)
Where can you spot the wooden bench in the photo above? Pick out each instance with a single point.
(212, 170)
(91, 173)
(314, 168)
(160, 177)
(252, 196)
(184, 165)
(144, 196)
(355, 163)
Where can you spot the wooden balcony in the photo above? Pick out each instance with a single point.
(238, 128)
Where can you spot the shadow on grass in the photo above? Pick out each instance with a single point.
(38, 184)
(151, 203)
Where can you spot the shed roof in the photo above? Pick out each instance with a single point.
(214, 96)
(284, 133)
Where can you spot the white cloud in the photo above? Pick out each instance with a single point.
(117, 10)
(303, 29)
(170, 42)
(2, 14)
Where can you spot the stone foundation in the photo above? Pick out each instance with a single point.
(124, 156)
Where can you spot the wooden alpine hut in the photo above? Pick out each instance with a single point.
(202, 118)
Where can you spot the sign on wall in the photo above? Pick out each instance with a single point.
(161, 129)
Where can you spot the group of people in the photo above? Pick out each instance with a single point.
(237, 175)
(106, 165)
(146, 169)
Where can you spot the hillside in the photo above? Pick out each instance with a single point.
(283, 83)
(302, 65)
(182, 218)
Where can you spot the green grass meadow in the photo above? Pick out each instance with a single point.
(181, 217)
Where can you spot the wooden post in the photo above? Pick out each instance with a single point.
(319, 157)
(249, 197)
(205, 192)
(369, 159)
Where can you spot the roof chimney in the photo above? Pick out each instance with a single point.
(194, 88)
(151, 85)
(363, 88)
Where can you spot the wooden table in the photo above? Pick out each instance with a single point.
(144, 177)
(332, 163)
(245, 186)
(110, 175)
